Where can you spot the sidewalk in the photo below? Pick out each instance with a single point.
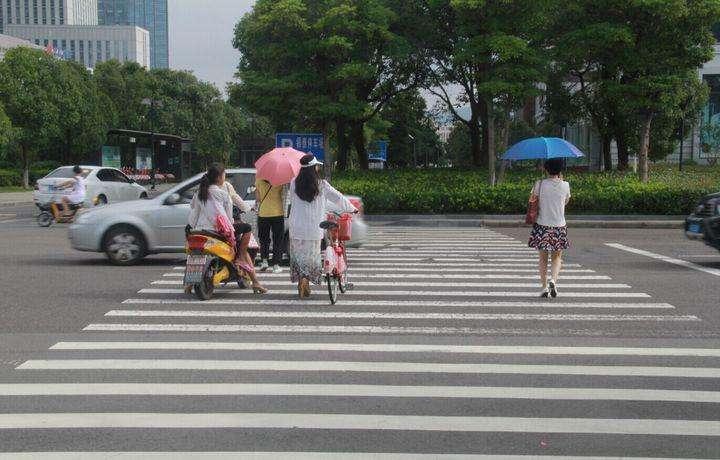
(517, 220)
(14, 199)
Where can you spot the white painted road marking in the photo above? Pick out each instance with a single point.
(231, 291)
(403, 303)
(316, 329)
(196, 455)
(394, 315)
(451, 284)
(670, 260)
(431, 274)
(369, 366)
(359, 422)
(372, 391)
(393, 348)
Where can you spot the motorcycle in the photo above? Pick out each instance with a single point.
(50, 212)
(210, 262)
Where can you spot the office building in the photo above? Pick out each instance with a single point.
(90, 45)
(7, 42)
(151, 15)
(47, 12)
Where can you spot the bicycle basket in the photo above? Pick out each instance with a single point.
(345, 227)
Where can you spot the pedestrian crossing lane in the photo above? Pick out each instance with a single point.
(423, 345)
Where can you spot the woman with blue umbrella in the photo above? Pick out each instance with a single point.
(549, 196)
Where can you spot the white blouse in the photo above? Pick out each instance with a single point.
(203, 215)
(305, 218)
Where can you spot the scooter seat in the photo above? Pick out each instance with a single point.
(208, 233)
(325, 225)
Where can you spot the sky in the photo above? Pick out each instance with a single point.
(201, 33)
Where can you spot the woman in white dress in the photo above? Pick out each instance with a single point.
(308, 197)
(213, 199)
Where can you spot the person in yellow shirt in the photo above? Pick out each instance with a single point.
(270, 206)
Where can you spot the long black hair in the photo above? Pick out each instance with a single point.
(307, 183)
(211, 177)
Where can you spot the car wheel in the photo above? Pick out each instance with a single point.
(124, 245)
(101, 200)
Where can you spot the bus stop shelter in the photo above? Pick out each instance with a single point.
(148, 151)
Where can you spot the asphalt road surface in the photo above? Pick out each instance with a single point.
(442, 350)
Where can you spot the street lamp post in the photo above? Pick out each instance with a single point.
(414, 150)
(152, 104)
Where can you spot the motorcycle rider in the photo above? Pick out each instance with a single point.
(78, 183)
(210, 200)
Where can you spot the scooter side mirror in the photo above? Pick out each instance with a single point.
(173, 199)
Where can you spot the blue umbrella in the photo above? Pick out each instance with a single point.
(542, 148)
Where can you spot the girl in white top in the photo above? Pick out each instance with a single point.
(308, 206)
(549, 234)
(213, 198)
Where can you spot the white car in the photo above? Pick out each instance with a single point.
(108, 185)
(128, 232)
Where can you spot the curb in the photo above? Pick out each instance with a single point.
(15, 204)
(599, 222)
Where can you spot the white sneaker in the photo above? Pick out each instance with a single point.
(553, 288)
(264, 265)
(276, 269)
(544, 293)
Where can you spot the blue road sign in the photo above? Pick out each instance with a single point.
(309, 143)
(379, 152)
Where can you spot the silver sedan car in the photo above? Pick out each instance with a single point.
(127, 232)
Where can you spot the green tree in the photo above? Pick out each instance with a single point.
(319, 65)
(491, 50)
(125, 85)
(6, 127)
(590, 42)
(84, 118)
(672, 39)
(410, 130)
(26, 84)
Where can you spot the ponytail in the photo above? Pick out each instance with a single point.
(211, 177)
(204, 191)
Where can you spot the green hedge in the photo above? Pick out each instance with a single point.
(9, 178)
(446, 191)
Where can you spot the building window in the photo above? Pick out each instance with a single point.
(17, 12)
(116, 46)
(55, 44)
(125, 50)
(43, 7)
(52, 11)
(99, 55)
(45, 42)
(36, 16)
(37, 41)
(2, 16)
(72, 49)
(108, 54)
(27, 12)
(91, 55)
(63, 47)
(82, 51)
(62, 12)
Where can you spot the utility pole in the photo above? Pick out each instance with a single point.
(152, 104)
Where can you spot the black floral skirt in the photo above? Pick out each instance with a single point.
(548, 238)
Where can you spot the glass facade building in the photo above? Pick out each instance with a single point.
(151, 15)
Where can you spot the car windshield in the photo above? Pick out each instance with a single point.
(241, 182)
(66, 172)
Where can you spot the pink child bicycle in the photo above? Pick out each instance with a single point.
(337, 230)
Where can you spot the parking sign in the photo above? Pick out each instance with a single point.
(308, 143)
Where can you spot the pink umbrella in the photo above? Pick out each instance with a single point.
(279, 166)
